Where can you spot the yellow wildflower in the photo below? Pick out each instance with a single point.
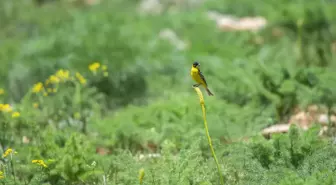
(52, 79)
(15, 114)
(5, 108)
(93, 67)
(8, 152)
(35, 105)
(40, 162)
(1, 175)
(2, 91)
(81, 79)
(37, 87)
(63, 74)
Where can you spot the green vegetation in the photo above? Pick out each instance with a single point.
(87, 92)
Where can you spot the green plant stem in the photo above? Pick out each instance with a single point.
(200, 95)
(211, 147)
(299, 41)
(13, 169)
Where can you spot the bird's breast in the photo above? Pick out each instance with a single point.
(194, 71)
(195, 74)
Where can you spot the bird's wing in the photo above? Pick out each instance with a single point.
(202, 76)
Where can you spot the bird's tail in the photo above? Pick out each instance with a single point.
(208, 91)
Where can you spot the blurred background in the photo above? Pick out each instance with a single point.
(113, 76)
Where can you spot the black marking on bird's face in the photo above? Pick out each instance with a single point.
(196, 64)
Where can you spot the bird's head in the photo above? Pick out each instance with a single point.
(196, 64)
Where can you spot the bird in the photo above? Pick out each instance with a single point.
(197, 75)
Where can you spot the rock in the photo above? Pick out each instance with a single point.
(231, 23)
(153, 7)
(278, 128)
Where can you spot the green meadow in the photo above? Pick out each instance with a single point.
(99, 92)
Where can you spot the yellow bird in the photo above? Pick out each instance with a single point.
(197, 75)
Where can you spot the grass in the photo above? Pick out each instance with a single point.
(96, 95)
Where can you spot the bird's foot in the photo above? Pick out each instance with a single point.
(196, 85)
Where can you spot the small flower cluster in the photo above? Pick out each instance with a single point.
(80, 78)
(40, 163)
(8, 109)
(5, 108)
(10, 152)
(54, 79)
(95, 67)
(62, 75)
(51, 84)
